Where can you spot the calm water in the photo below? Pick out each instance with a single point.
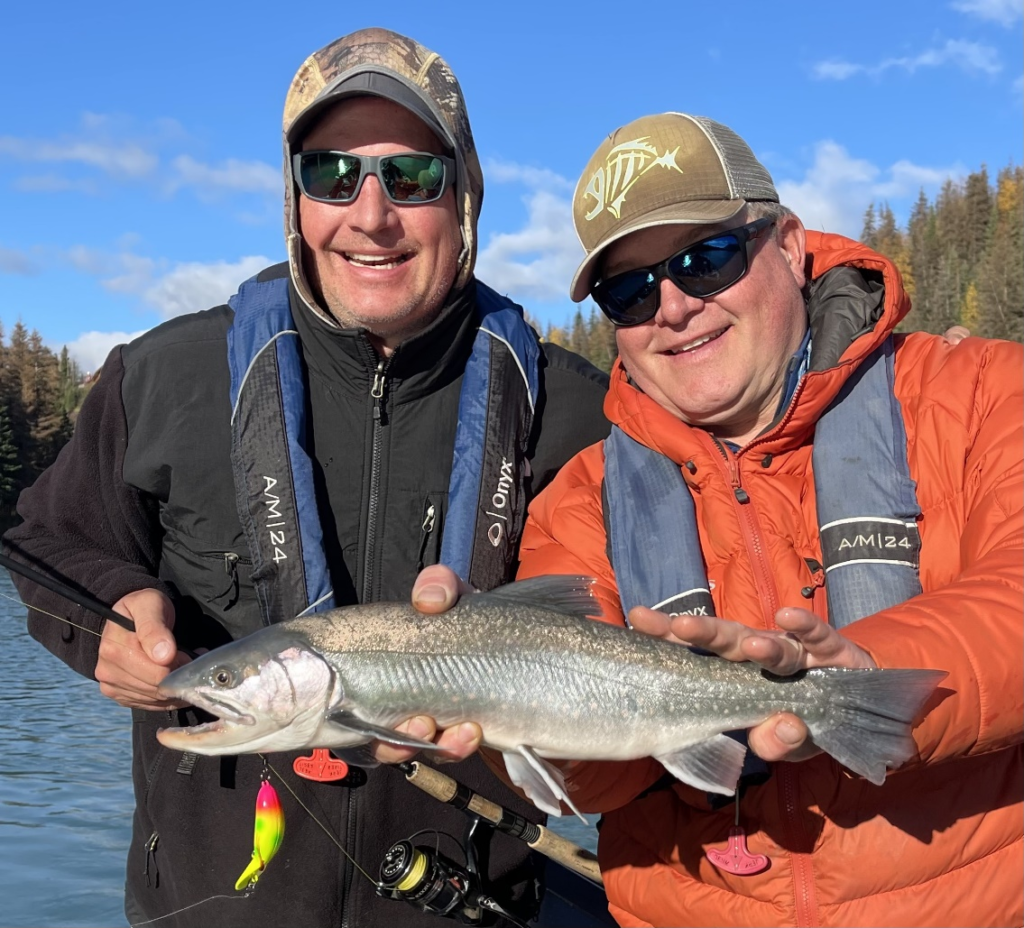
(65, 790)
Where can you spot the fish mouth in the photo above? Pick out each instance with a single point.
(231, 725)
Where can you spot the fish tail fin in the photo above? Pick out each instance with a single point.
(867, 727)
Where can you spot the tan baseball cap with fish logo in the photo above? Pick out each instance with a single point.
(662, 170)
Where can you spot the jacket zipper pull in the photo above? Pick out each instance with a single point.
(231, 572)
(151, 858)
(426, 529)
(734, 472)
(377, 391)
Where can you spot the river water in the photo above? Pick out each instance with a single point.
(65, 789)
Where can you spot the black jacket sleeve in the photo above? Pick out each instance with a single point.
(570, 414)
(83, 525)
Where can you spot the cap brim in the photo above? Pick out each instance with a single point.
(369, 82)
(694, 212)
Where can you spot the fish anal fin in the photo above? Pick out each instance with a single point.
(713, 765)
(542, 782)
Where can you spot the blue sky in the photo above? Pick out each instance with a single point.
(140, 143)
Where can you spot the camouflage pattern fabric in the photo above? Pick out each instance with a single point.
(428, 75)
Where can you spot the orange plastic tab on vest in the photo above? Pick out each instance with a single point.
(320, 766)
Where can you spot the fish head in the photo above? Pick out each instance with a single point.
(270, 691)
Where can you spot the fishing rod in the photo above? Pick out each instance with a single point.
(541, 839)
(68, 592)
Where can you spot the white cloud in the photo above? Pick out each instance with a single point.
(1004, 12)
(505, 172)
(121, 150)
(967, 56)
(247, 176)
(90, 349)
(170, 289)
(54, 183)
(134, 276)
(537, 261)
(16, 262)
(838, 188)
(186, 287)
(1018, 85)
(194, 286)
(117, 158)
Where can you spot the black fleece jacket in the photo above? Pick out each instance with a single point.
(143, 496)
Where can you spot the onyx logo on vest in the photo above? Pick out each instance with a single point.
(692, 602)
(273, 502)
(500, 501)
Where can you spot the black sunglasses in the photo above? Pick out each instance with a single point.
(337, 176)
(703, 269)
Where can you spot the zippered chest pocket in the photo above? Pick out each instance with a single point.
(213, 581)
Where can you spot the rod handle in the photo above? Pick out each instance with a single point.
(568, 854)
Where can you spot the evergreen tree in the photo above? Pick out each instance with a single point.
(578, 340)
(9, 467)
(601, 340)
(961, 256)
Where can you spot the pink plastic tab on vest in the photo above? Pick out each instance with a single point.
(735, 858)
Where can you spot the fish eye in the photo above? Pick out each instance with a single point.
(223, 676)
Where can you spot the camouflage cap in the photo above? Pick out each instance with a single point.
(661, 170)
(383, 63)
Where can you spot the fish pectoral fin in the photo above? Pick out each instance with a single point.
(542, 782)
(713, 765)
(371, 732)
(356, 757)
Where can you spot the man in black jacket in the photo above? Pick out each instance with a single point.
(352, 416)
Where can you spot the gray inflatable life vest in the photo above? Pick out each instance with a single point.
(867, 509)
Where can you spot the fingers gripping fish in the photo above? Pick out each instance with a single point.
(541, 679)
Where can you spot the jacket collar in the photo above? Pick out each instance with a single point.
(347, 360)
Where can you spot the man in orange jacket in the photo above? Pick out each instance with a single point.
(831, 526)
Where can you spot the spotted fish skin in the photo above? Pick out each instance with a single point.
(541, 679)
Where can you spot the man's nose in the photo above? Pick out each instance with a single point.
(371, 211)
(674, 305)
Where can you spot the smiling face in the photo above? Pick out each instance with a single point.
(718, 363)
(372, 263)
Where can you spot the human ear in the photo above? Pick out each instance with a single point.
(792, 240)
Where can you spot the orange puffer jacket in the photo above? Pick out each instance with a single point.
(940, 843)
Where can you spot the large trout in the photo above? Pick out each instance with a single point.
(541, 679)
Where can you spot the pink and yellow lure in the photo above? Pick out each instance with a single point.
(267, 835)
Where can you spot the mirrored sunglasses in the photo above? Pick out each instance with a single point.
(407, 178)
(700, 270)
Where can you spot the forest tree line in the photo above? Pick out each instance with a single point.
(40, 392)
(960, 257)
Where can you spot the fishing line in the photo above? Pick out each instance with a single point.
(150, 921)
(323, 827)
(59, 618)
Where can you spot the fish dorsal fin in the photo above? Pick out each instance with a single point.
(563, 593)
